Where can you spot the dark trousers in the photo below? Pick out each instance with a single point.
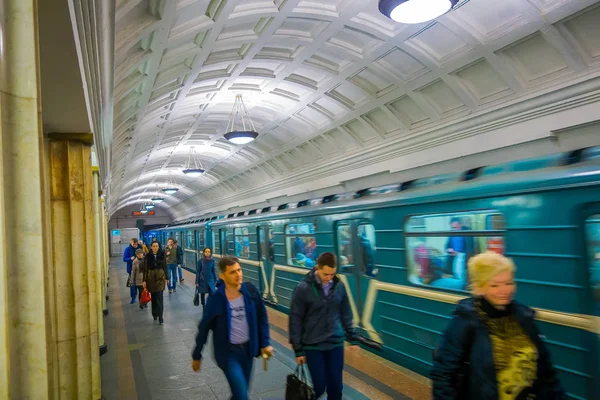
(326, 369)
(157, 304)
(203, 297)
(239, 370)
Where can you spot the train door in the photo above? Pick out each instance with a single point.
(266, 257)
(355, 247)
(592, 239)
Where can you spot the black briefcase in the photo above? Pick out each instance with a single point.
(196, 298)
(297, 387)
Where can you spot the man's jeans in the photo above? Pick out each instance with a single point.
(172, 275)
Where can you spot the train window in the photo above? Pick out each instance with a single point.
(366, 247)
(191, 240)
(242, 242)
(593, 244)
(439, 246)
(301, 245)
(365, 241)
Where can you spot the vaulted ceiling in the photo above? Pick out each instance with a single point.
(331, 85)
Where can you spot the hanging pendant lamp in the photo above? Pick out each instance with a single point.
(247, 133)
(415, 11)
(143, 209)
(171, 187)
(193, 166)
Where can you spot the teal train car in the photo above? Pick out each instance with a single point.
(403, 251)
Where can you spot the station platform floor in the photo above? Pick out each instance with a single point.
(146, 360)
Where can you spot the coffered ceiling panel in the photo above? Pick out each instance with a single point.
(323, 80)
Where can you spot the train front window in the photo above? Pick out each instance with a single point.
(242, 242)
(439, 246)
(301, 245)
(592, 228)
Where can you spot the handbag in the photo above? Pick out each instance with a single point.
(128, 281)
(145, 299)
(297, 387)
(196, 298)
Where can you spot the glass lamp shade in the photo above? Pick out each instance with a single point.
(149, 206)
(415, 11)
(193, 171)
(241, 137)
(170, 190)
(157, 199)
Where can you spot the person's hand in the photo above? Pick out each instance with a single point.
(132, 258)
(267, 351)
(178, 265)
(301, 360)
(196, 364)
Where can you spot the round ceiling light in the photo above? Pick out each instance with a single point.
(144, 211)
(415, 11)
(170, 190)
(157, 199)
(241, 137)
(193, 171)
(149, 206)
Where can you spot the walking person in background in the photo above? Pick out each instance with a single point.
(493, 341)
(237, 315)
(128, 257)
(320, 319)
(137, 275)
(173, 255)
(155, 278)
(179, 261)
(205, 275)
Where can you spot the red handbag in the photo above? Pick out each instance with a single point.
(145, 299)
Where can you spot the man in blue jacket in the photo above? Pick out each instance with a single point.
(128, 257)
(238, 317)
(129, 254)
(320, 319)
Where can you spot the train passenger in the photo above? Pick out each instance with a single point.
(237, 315)
(205, 275)
(128, 257)
(320, 319)
(155, 278)
(492, 348)
(180, 262)
(174, 259)
(137, 275)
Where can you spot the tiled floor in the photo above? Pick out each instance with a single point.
(146, 360)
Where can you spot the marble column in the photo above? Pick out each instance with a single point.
(103, 257)
(98, 257)
(106, 252)
(74, 260)
(25, 358)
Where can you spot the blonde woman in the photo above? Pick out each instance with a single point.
(492, 349)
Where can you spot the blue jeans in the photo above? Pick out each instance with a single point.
(180, 273)
(239, 370)
(326, 371)
(172, 275)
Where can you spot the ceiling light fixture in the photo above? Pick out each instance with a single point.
(149, 206)
(171, 187)
(194, 169)
(248, 132)
(143, 209)
(415, 11)
(157, 199)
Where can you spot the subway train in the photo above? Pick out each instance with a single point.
(403, 250)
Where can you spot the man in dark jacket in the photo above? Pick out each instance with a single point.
(179, 261)
(320, 319)
(237, 315)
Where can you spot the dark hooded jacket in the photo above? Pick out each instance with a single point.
(316, 319)
(466, 347)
